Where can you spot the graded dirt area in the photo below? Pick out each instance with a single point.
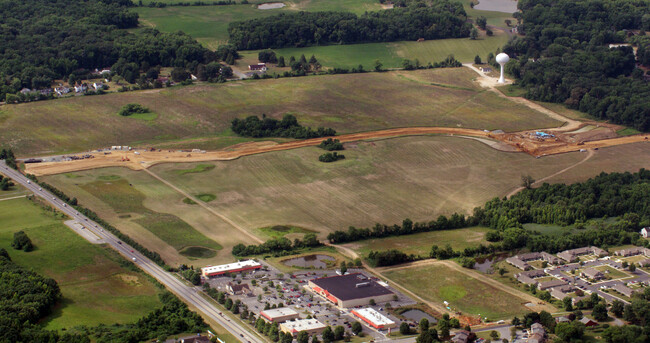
(527, 141)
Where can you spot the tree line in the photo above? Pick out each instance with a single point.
(269, 127)
(277, 246)
(46, 40)
(435, 20)
(565, 57)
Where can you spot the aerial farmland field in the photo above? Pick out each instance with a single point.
(347, 103)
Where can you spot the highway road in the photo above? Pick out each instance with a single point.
(188, 294)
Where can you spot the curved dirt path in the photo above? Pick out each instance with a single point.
(590, 154)
(491, 83)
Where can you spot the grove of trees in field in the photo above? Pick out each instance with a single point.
(289, 127)
(433, 20)
(565, 57)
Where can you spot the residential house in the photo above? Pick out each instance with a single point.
(80, 88)
(62, 90)
(562, 319)
(461, 336)
(257, 67)
(588, 322)
(515, 261)
(645, 231)
(98, 85)
(25, 91)
(621, 288)
(537, 333)
(573, 254)
(238, 289)
(195, 339)
(645, 263)
(528, 277)
(633, 252)
(551, 284)
(592, 274)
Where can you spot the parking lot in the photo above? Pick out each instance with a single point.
(270, 286)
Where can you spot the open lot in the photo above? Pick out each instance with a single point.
(381, 181)
(96, 289)
(420, 243)
(438, 283)
(347, 103)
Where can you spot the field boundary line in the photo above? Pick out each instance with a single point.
(16, 197)
(590, 154)
(202, 204)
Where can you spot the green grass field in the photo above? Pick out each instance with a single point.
(438, 283)
(420, 244)
(209, 24)
(96, 289)
(200, 115)
(278, 231)
(124, 198)
(153, 214)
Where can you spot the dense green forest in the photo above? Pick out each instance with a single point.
(436, 20)
(44, 40)
(564, 57)
(268, 127)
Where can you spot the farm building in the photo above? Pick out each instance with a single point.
(350, 290)
(374, 318)
(279, 315)
(257, 67)
(311, 326)
(230, 268)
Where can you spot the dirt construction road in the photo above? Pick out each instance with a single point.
(142, 159)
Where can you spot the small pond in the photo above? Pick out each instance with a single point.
(310, 261)
(484, 265)
(270, 6)
(417, 315)
(507, 6)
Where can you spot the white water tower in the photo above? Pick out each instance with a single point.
(502, 59)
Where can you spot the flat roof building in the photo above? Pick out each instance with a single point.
(230, 268)
(350, 290)
(279, 315)
(374, 318)
(311, 326)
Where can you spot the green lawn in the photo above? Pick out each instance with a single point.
(96, 289)
(438, 283)
(420, 243)
(278, 231)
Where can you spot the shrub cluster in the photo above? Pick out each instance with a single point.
(22, 242)
(130, 109)
(331, 157)
(331, 144)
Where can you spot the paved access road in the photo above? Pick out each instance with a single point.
(188, 294)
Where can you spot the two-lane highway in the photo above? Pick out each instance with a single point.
(188, 294)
